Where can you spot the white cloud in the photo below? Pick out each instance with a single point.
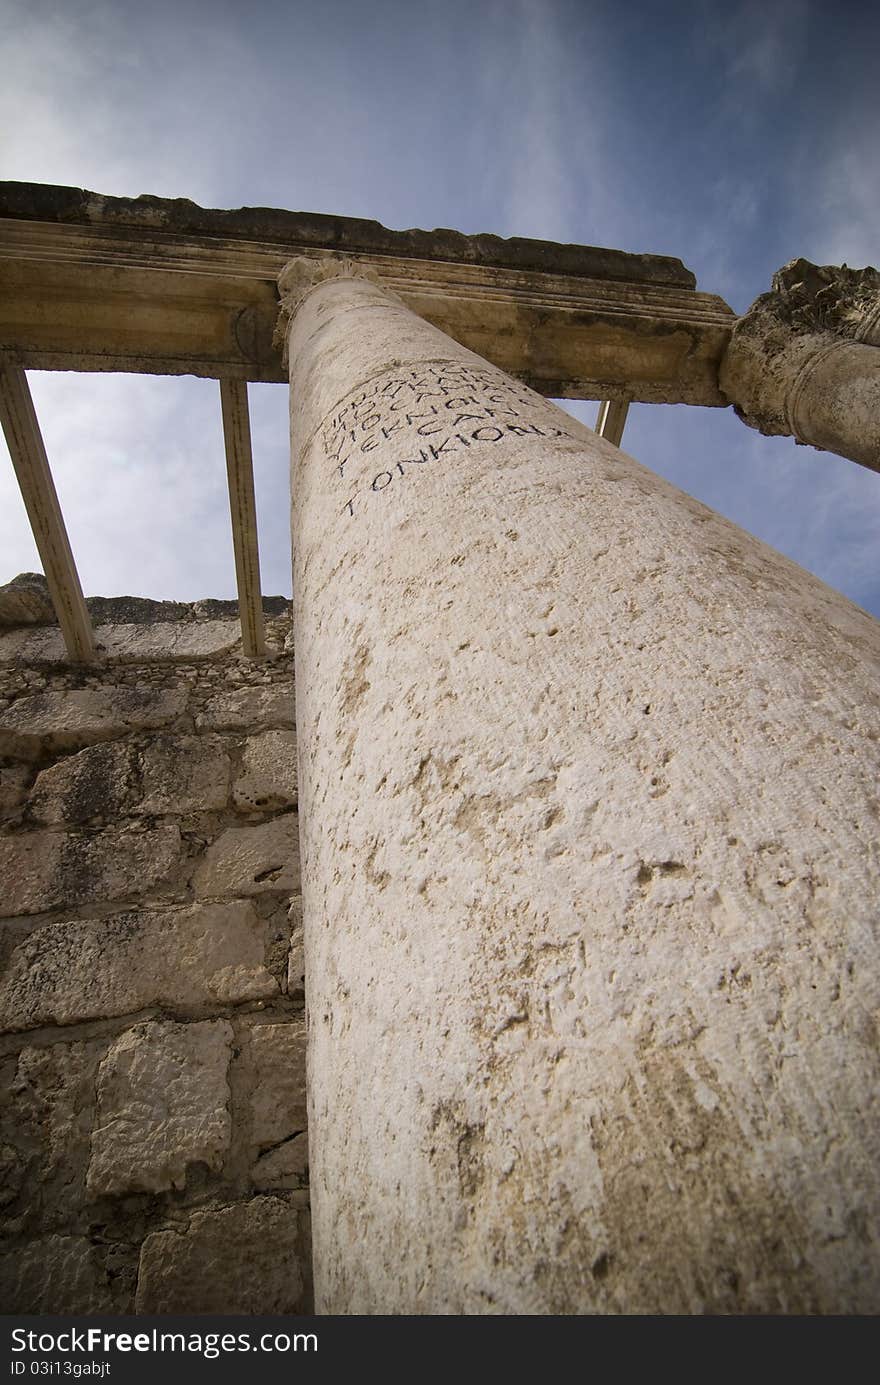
(515, 116)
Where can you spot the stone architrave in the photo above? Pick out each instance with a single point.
(589, 823)
(803, 361)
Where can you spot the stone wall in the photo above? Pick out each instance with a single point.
(153, 1151)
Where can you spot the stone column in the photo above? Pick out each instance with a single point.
(804, 362)
(589, 807)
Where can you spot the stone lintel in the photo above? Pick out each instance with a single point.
(94, 283)
(176, 217)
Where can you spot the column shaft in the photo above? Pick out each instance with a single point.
(590, 875)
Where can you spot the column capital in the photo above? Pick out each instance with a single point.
(800, 361)
(824, 298)
(304, 273)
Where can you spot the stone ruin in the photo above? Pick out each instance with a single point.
(570, 841)
(153, 1034)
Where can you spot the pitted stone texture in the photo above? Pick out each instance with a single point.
(163, 1100)
(14, 782)
(251, 860)
(184, 774)
(47, 722)
(244, 1259)
(100, 782)
(247, 709)
(285, 1166)
(589, 818)
(47, 870)
(235, 984)
(278, 1098)
(84, 969)
(61, 1275)
(176, 640)
(267, 778)
(46, 1117)
(173, 774)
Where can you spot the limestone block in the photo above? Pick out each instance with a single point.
(174, 774)
(234, 985)
(12, 1174)
(278, 1099)
(46, 1116)
(184, 774)
(283, 1167)
(26, 601)
(81, 969)
(243, 1259)
(14, 781)
(98, 782)
(252, 860)
(14, 642)
(60, 1275)
(181, 639)
(248, 709)
(163, 1100)
(267, 778)
(48, 870)
(45, 722)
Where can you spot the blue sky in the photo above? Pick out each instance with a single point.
(734, 135)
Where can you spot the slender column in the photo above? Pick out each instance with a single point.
(25, 442)
(804, 362)
(243, 509)
(589, 821)
(611, 419)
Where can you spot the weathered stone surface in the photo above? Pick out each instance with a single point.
(278, 1098)
(173, 774)
(61, 1275)
(296, 961)
(100, 782)
(48, 870)
(46, 1118)
(827, 298)
(233, 985)
(184, 774)
(243, 1259)
(202, 639)
(182, 639)
(589, 809)
(53, 721)
(83, 969)
(14, 782)
(798, 362)
(317, 231)
(163, 1099)
(283, 1167)
(247, 709)
(251, 860)
(267, 778)
(26, 601)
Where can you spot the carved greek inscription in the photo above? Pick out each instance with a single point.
(442, 409)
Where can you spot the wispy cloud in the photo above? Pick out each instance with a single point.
(736, 136)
